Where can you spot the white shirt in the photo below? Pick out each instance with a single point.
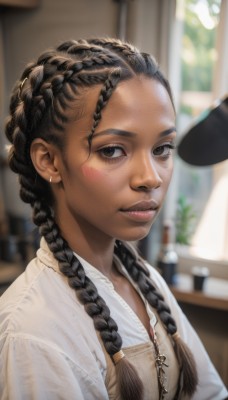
(49, 349)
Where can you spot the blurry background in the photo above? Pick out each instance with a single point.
(27, 27)
(189, 40)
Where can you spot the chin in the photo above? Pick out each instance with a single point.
(134, 235)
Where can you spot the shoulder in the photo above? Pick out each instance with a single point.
(31, 367)
(40, 308)
(20, 291)
(37, 303)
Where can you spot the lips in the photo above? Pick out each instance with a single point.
(149, 205)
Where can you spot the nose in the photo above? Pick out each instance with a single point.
(145, 175)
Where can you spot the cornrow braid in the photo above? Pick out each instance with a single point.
(79, 47)
(135, 59)
(56, 81)
(115, 45)
(104, 96)
(156, 300)
(44, 92)
(38, 108)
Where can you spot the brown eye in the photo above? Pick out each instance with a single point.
(164, 150)
(111, 152)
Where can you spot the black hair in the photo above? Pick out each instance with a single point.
(40, 98)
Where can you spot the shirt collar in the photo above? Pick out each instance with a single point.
(45, 255)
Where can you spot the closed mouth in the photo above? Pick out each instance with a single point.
(142, 206)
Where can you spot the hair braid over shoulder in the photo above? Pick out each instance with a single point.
(133, 265)
(88, 295)
(86, 291)
(38, 108)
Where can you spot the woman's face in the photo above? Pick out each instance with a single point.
(117, 189)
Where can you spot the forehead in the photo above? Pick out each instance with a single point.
(137, 105)
(137, 101)
(141, 94)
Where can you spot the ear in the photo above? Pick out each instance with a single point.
(45, 158)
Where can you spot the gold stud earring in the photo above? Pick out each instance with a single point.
(50, 179)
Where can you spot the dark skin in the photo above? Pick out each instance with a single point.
(130, 165)
(131, 296)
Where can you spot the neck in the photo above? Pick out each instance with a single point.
(98, 255)
(96, 248)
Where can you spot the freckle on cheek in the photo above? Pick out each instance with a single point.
(91, 173)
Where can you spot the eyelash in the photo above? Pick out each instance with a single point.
(168, 146)
(114, 148)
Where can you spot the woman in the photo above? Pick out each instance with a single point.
(92, 128)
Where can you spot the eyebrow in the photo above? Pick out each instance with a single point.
(120, 132)
(168, 131)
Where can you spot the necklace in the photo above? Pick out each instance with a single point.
(160, 362)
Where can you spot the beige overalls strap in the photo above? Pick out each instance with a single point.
(142, 356)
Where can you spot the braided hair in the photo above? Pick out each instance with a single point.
(39, 100)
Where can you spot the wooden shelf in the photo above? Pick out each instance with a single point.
(214, 294)
(20, 3)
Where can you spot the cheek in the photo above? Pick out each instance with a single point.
(166, 174)
(99, 181)
(92, 174)
(99, 178)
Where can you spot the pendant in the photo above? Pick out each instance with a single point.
(160, 363)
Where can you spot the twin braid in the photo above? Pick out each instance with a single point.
(128, 381)
(38, 108)
(71, 267)
(137, 271)
(45, 89)
(150, 292)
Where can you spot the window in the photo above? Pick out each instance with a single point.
(198, 187)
